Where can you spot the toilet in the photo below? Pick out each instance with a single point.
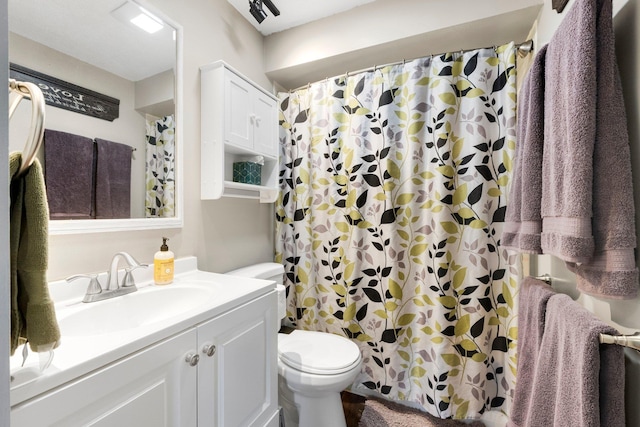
(313, 367)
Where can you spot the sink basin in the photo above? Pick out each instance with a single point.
(147, 306)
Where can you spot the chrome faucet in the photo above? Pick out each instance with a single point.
(95, 292)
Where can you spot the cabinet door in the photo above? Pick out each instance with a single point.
(265, 140)
(238, 114)
(237, 385)
(154, 387)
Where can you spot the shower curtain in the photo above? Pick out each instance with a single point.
(389, 219)
(160, 168)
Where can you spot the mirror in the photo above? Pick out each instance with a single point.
(86, 55)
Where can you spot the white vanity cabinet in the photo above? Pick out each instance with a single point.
(239, 121)
(154, 387)
(219, 372)
(238, 384)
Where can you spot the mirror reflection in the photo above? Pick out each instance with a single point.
(108, 73)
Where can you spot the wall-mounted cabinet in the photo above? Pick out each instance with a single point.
(239, 122)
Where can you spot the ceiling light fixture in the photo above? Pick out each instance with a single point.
(255, 7)
(147, 23)
(129, 12)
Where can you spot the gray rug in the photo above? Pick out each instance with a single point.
(379, 413)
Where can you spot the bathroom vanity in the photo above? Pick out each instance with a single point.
(201, 351)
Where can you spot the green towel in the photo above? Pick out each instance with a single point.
(33, 317)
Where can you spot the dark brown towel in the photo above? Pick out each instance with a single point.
(69, 175)
(33, 316)
(578, 382)
(532, 305)
(113, 180)
(384, 413)
(587, 205)
(523, 222)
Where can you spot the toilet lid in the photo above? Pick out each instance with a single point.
(317, 352)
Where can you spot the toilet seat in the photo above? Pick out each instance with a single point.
(318, 352)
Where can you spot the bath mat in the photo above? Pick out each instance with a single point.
(390, 414)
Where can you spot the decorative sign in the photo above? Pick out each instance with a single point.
(61, 94)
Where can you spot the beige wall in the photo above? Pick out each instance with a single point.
(223, 234)
(386, 31)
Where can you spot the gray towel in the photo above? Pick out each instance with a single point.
(532, 302)
(586, 160)
(577, 382)
(113, 180)
(523, 222)
(69, 175)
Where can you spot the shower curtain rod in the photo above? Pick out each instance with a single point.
(523, 48)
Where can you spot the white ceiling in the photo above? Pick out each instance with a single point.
(87, 31)
(295, 12)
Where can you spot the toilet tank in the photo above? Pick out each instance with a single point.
(266, 271)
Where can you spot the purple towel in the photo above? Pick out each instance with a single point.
(587, 204)
(532, 302)
(69, 175)
(113, 180)
(523, 223)
(577, 382)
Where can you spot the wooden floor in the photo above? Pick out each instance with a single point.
(353, 406)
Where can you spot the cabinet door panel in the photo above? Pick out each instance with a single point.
(238, 115)
(265, 138)
(238, 385)
(154, 387)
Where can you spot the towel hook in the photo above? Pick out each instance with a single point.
(36, 132)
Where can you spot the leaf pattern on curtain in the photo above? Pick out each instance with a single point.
(392, 201)
(160, 168)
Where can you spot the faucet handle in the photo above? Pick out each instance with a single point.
(128, 280)
(94, 285)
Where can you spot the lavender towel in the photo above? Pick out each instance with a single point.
(113, 180)
(577, 382)
(532, 302)
(587, 204)
(523, 222)
(69, 175)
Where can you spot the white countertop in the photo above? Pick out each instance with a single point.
(78, 355)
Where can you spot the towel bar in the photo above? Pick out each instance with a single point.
(544, 278)
(632, 341)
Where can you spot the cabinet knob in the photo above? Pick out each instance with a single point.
(252, 118)
(257, 120)
(192, 359)
(209, 350)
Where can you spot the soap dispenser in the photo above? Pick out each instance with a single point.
(163, 265)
